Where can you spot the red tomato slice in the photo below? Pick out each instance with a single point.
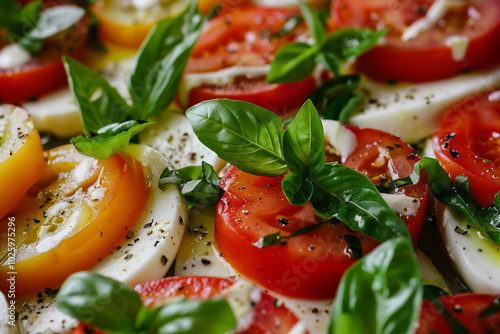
(311, 265)
(427, 56)
(45, 72)
(466, 308)
(467, 144)
(243, 36)
(267, 318)
(75, 215)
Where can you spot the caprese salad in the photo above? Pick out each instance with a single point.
(250, 166)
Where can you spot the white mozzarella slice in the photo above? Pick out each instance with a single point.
(153, 243)
(13, 55)
(173, 136)
(198, 255)
(58, 113)
(414, 111)
(342, 140)
(474, 257)
(146, 255)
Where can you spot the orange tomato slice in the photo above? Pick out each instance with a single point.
(77, 213)
(21, 156)
(124, 25)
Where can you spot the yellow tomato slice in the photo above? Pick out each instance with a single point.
(123, 24)
(21, 156)
(77, 213)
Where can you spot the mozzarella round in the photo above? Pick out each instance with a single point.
(173, 136)
(475, 257)
(146, 255)
(414, 111)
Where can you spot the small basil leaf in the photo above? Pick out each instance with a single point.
(293, 62)
(243, 134)
(30, 14)
(343, 193)
(303, 142)
(289, 25)
(314, 23)
(347, 110)
(158, 70)
(109, 140)
(277, 238)
(107, 304)
(55, 19)
(181, 176)
(331, 62)
(199, 184)
(100, 104)
(212, 316)
(296, 188)
(351, 42)
(381, 293)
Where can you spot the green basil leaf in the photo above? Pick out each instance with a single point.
(381, 293)
(486, 219)
(110, 305)
(277, 238)
(303, 142)
(109, 140)
(297, 189)
(351, 42)
(158, 70)
(52, 20)
(243, 134)
(212, 316)
(343, 193)
(30, 14)
(314, 23)
(100, 104)
(293, 62)
(289, 25)
(336, 98)
(10, 15)
(199, 184)
(331, 62)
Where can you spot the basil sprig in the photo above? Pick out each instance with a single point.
(458, 196)
(199, 184)
(296, 61)
(30, 26)
(109, 121)
(252, 139)
(115, 307)
(381, 293)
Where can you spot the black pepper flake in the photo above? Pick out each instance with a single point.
(454, 154)
(39, 301)
(129, 256)
(315, 310)
(101, 234)
(36, 221)
(136, 239)
(156, 243)
(148, 225)
(460, 231)
(88, 330)
(130, 235)
(412, 155)
(205, 261)
(283, 222)
(164, 260)
(449, 137)
(181, 287)
(181, 221)
(245, 212)
(118, 247)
